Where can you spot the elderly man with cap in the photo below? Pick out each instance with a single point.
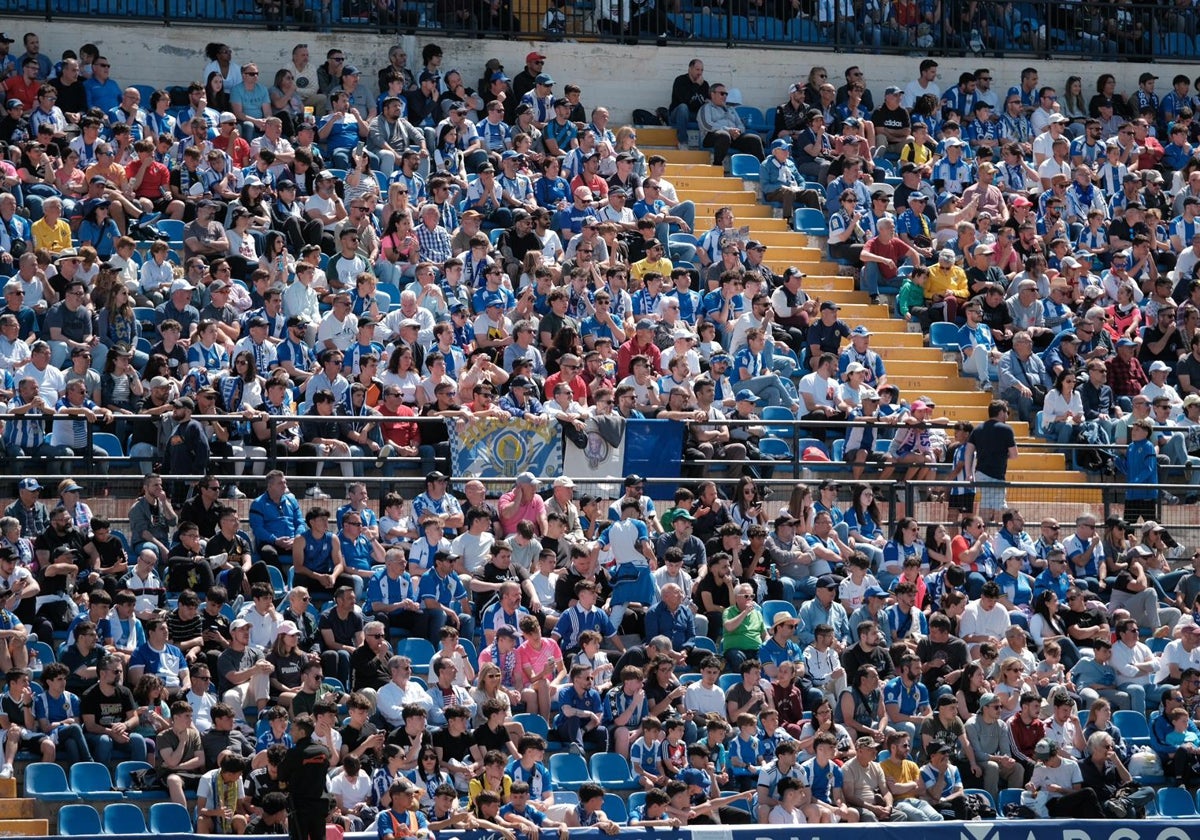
(1023, 378)
(782, 182)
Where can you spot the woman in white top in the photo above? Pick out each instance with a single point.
(1063, 410)
(243, 250)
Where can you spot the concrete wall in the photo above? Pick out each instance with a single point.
(621, 77)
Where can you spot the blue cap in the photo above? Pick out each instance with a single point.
(720, 357)
(494, 300)
(457, 305)
(874, 592)
(498, 77)
(746, 395)
(780, 144)
(861, 330)
(30, 484)
(509, 154)
(1126, 342)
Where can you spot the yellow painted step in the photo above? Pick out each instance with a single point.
(750, 211)
(701, 156)
(676, 169)
(906, 367)
(655, 135)
(24, 828)
(16, 809)
(1039, 460)
(1077, 495)
(707, 183)
(908, 384)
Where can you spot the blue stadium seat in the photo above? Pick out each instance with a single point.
(739, 29)
(124, 818)
(124, 781)
(770, 609)
(420, 651)
(91, 780)
(754, 121)
(709, 27)
(276, 577)
(1177, 803)
(728, 681)
(1007, 797)
(688, 679)
(568, 771)
(172, 229)
(810, 221)
(534, 724)
(703, 643)
(1133, 726)
(815, 466)
(771, 29)
(614, 808)
(637, 799)
(1083, 718)
(170, 818)
(744, 167)
(944, 336)
(47, 781)
(612, 771)
(802, 30)
(779, 413)
(774, 447)
(78, 821)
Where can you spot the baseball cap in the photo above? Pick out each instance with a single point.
(544, 79)
(780, 144)
(287, 628)
(238, 624)
(351, 70)
(827, 582)
(529, 479)
(30, 484)
(564, 481)
(828, 304)
(892, 90)
(746, 395)
(534, 56)
(181, 286)
(1146, 77)
(15, 103)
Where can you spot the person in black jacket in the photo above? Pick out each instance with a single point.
(305, 772)
(689, 92)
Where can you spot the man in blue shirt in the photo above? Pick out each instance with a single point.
(440, 591)
(580, 713)
(275, 519)
(906, 697)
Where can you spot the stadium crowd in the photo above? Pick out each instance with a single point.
(502, 252)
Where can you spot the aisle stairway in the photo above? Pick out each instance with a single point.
(16, 815)
(917, 370)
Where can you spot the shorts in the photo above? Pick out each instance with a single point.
(992, 498)
(873, 457)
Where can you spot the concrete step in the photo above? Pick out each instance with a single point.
(918, 368)
(1038, 460)
(8, 788)
(655, 135)
(700, 156)
(16, 809)
(705, 183)
(679, 168)
(24, 828)
(751, 210)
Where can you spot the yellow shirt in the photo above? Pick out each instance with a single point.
(643, 267)
(901, 772)
(53, 239)
(917, 153)
(946, 281)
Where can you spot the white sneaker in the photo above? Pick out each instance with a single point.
(985, 386)
(7, 772)
(315, 492)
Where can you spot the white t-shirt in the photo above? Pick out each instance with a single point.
(779, 816)
(704, 700)
(822, 389)
(207, 789)
(353, 791)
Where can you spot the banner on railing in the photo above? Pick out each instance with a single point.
(493, 448)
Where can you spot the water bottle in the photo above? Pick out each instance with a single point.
(774, 571)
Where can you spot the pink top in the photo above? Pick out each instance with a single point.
(533, 660)
(533, 510)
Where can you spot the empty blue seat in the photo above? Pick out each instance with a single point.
(169, 818)
(612, 771)
(420, 651)
(124, 818)
(568, 771)
(744, 167)
(47, 781)
(1176, 802)
(78, 820)
(944, 336)
(92, 781)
